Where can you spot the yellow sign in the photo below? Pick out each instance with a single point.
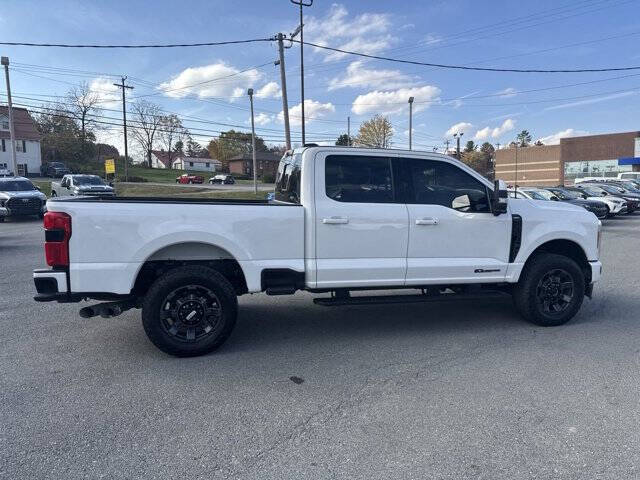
(109, 165)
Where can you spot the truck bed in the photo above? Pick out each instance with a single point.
(113, 237)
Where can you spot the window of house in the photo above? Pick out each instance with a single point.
(359, 179)
(441, 183)
(4, 123)
(4, 147)
(191, 164)
(21, 146)
(207, 164)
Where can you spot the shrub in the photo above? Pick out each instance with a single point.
(268, 178)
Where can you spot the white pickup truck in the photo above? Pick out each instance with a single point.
(80, 184)
(343, 219)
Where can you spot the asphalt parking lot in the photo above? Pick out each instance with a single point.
(444, 390)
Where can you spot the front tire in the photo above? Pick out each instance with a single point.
(550, 291)
(189, 311)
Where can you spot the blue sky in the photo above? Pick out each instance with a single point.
(486, 106)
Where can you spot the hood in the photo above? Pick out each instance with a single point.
(590, 203)
(26, 194)
(550, 204)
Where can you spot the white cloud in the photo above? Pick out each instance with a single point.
(461, 127)
(269, 90)
(395, 101)
(432, 39)
(262, 119)
(215, 80)
(358, 75)
(367, 32)
(507, 92)
(108, 94)
(312, 110)
(554, 138)
(496, 132)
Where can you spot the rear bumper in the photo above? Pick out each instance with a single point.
(53, 286)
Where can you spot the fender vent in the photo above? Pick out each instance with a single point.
(516, 237)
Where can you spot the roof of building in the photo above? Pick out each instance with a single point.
(25, 126)
(197, 159)
(163, 157)
(263, 156)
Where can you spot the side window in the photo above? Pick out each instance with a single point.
(288, 179)
(441, 183)
(359, 179)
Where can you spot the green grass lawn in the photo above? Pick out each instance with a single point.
(142, 190)
(45, 187)
(161, 175)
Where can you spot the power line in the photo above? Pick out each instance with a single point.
(466, 67)
(169, 45)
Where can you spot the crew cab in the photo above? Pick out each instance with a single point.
(73, 185)
(343, 219)
(54, 169)
(186, 178)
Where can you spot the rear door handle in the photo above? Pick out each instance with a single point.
(427, 221)
(335, 220)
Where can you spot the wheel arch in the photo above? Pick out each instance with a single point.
(567, 248)
(182, 253)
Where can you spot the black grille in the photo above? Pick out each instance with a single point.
(24, 206)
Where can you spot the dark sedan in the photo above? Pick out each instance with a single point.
(599, 209)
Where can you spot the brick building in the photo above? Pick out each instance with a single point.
(590, 156)
(267, 164)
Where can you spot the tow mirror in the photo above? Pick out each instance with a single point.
(500, 198)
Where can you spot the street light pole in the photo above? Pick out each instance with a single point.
(12, 133)
(302, 4)
(410, 122)
(253, 144)
(124, 122)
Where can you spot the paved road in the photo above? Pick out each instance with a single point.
(451, 390)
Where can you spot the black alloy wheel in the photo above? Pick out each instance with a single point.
(554, 292)
(191, 313)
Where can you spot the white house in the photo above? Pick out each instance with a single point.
(160, 159)
(28, 155)
(182, 162)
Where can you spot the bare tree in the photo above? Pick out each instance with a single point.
(82, 102)
(171, 132)
(148, 119)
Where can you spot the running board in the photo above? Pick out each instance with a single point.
(390, 299)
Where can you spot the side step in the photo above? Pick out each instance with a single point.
(390, 299)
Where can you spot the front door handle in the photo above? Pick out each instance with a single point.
(427, 221)
(335, 220)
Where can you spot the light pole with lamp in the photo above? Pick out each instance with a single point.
(253, 144)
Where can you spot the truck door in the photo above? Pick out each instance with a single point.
(453, 236)
(361, 225)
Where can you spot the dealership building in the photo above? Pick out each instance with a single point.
(590, 156)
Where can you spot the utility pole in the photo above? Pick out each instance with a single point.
(124, 122)
(302, 4)
(446, 142)
(283, 87)
(253, 145)
(12, 132)
(349, 129)
(516, 182)
(410, 122)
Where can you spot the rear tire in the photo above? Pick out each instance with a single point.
(189, 311)
(550, 291)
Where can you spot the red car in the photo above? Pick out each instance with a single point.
(185, 178)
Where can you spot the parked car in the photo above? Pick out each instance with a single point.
(633, 200)
(597, 207)
(78, 184)
(532, 193)
(186, 178)
(616, 205)
(340, 221)
(222, 179)
(54, 169)
(20, 198)
(629, 176)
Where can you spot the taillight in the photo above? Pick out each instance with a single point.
(57, 232)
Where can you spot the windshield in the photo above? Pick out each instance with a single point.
(57, 165)
(593, 191)
(566, 194)
(16, 186)
(536, 194)
(88, 180)
(611, 189)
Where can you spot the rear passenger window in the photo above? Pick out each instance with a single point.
(441, 183)
(358, 179)
(288, 179)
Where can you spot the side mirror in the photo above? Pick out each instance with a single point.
(500, 198)
(38, 188)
